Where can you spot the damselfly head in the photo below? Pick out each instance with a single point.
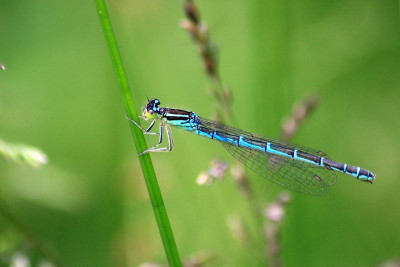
(152, 110)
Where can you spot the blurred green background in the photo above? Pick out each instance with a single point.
(89, 204)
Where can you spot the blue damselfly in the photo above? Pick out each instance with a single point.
(295, 167)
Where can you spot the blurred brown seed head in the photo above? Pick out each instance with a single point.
(191, 11)
(241, 180)
(217, 171)
(199, 259)
(291, 124)
(204, 179)
(188, 26)
(275, 211)
(150, 264)
(238, 229)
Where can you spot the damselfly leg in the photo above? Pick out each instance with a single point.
(156, 147)
(145, 131)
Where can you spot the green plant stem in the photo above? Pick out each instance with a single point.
(157, 202)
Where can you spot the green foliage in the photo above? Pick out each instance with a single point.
(31, 156)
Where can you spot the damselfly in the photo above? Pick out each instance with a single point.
(295, 167)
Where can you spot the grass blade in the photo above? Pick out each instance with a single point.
(157, 202)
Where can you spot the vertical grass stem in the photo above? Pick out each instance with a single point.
(153, 188)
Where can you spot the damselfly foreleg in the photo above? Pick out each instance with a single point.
(145, 131)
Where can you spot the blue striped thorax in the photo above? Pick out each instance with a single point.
(175, 117)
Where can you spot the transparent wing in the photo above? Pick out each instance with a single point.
(283, 171)
(293, 174)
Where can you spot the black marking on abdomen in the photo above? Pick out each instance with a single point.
(287, 150)
(352, 169)
(225, 137)
(207, 130)
(364, 172)
(255, 142)
(310, 157)
(333, 164)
